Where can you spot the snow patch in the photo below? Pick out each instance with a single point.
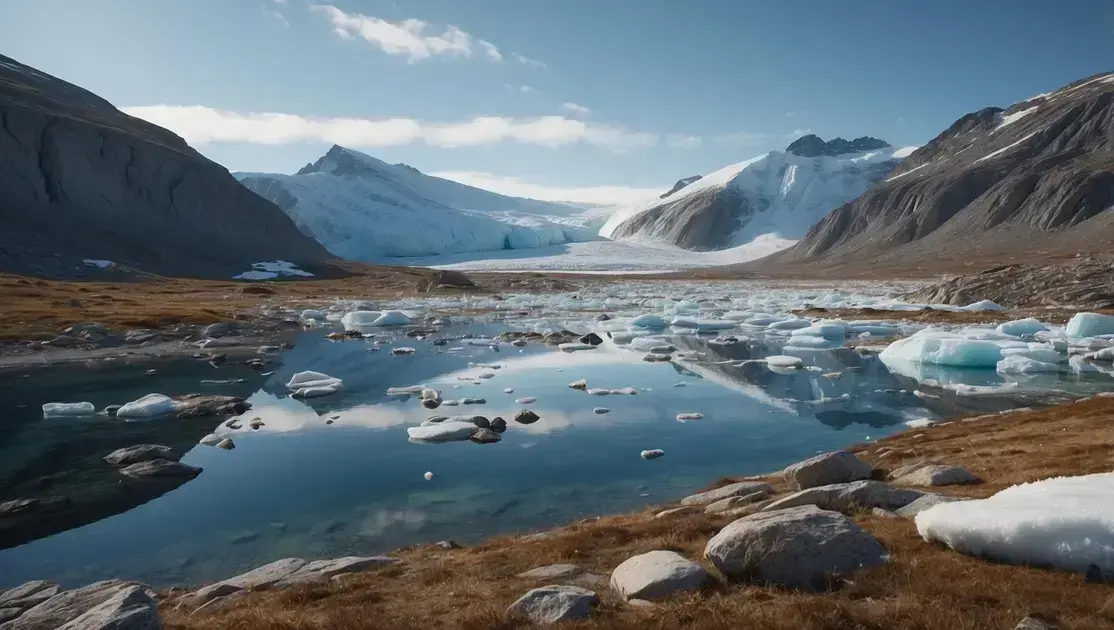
(99, 264)
(272, 269)
(1004, 149)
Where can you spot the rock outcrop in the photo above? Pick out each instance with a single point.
(1083, 283)
(1038, 175)
(79, 179)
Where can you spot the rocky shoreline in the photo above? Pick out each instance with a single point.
(809, 530)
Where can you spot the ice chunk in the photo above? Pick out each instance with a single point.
(65, 410)
(628, 336)
(302, 380)
(316, 392)
(933, 346)
(790, 324)
(647, 343)
(1020, 364)
(448, 431)
(1047, 355)
(525, 400)
(812, 342)
(359, 319)
(99, 264)
(146, 407)
(982, 305)
(649, 321)
(685, 417)
(830, 328)
(703, 324)
(880, 330)
(311, 313)
(1089, 325)
(1064, 522)
(762, 320)
(392, 318)
(405, 391)
(1022, 327)
(784, 361)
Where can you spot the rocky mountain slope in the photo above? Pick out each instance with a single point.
(774, 197)
(1037, 175)
(81, 180)
(362, 208)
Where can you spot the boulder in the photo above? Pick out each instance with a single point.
(498, 424)
(324, 570)
(740, 489)
(140, 453)
(526, 416)
(684, 509)
(485, 436)
(923, 503)
(217, 330)
(28, 594)
(199, 405)
(592, 339)
(933, 475)
(827, 468)
(555, 603)
(551, 572)
(656, 575)
(66, 606)
(734, 503)
(260, 577)
(843, 497)
(160, 468)
(131, 608)
(797, 547)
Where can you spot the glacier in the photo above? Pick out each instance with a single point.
(364, 209)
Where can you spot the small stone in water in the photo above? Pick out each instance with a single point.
(682, 417)
(581, 384)
(526, 417)
(428, 476)
(601, 410)
(227, 444)
(508, 390)
(256, 423)
(526, 401)
(681, 384)
(403, 350)
(652, 453)
(498, 424)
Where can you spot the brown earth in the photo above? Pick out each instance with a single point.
(924, 587)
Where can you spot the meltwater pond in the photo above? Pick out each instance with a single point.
(337, 475)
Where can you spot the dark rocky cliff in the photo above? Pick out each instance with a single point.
(1039, 174)
(80, 179)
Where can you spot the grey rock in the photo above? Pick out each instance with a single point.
(652, 453)
(526, 416)
(555, 603)
(923, 503)
(740, 489)
(842, 497)
(640, 603)
(797, 547)
(76, 169)
(141, 453)
(934, 475)
(160, 468)
(685, 509)
(7, 614)
(220, 329)
(218, 603)
(1034, 623)
(66, 606)
(498, 425)
(884, 513)
(656, 575)
(485, 436)
(734, 503)
(551, 572)
(28, 594)
(260, 577)
(200, 405)
(323, 570)
(64, 341)
(226, 444)
(827, 468)
(131, 608)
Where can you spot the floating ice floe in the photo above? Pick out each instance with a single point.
(647, 343)
(649, 321)
(68, 410)
(784, 361)
(685, 417)
(982, 305)
(1021, 364)
(762, 320)
(1090, 325)
(1022, 327)
(1064, 522)
(313, 384)
(525, 400)
(447, 431)
(828, 328)
(943, 348)
(311, 313)
(1048, 355)
(819, 343)
(702, 324)
(795, 323)
(365, 319)
(146, 407)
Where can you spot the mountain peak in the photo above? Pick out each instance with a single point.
(342, 161)
(681, 183)
(812, 145)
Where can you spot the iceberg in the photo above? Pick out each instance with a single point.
(1021, 364)
(68, 410)
(703, 324)
(649, 321)
(308, 379)
(943, 348)
(447, 431)
(1090, 325)
(830, 328)
(790, 324)
(982, 305)
(1064, 522)
(1022, 327)
(146, 407)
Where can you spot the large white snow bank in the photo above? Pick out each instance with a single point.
(362, 208)
(149, 406)
(1090, 325)
(1066, 523)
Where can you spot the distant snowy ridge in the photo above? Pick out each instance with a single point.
(362, 208)
(763, 204)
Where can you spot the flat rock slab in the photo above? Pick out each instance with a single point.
(161, 469)
(555, 603)
(797, 547)
(734, 503)
(740, 489)
(923, 503)
(141, 453)
(656, 575)
(324, 570)
(131, 608)
(825, 469)
(69, 605)
(551, 572)
(842, 497)
(28, 594)
(934, 475)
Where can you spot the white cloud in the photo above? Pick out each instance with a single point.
(205, 125)
(515, 187)
(408, 37)
(524, 89)
(576, 110)
(797, 133)
(526, 61)
(740, 139)
(681, 141)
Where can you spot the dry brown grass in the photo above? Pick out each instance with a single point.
(924, 587)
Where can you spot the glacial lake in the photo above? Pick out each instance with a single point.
(302, 486)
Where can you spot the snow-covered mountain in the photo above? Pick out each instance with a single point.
(362, 208)
(763, 204)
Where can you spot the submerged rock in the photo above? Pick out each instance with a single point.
(160, 468)
(140, 453)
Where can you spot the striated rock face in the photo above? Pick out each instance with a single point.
(80, 179)
(1085, 284)
(813, 146)
(996, 181)
(681, 183)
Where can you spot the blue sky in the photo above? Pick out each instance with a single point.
(586, 99)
